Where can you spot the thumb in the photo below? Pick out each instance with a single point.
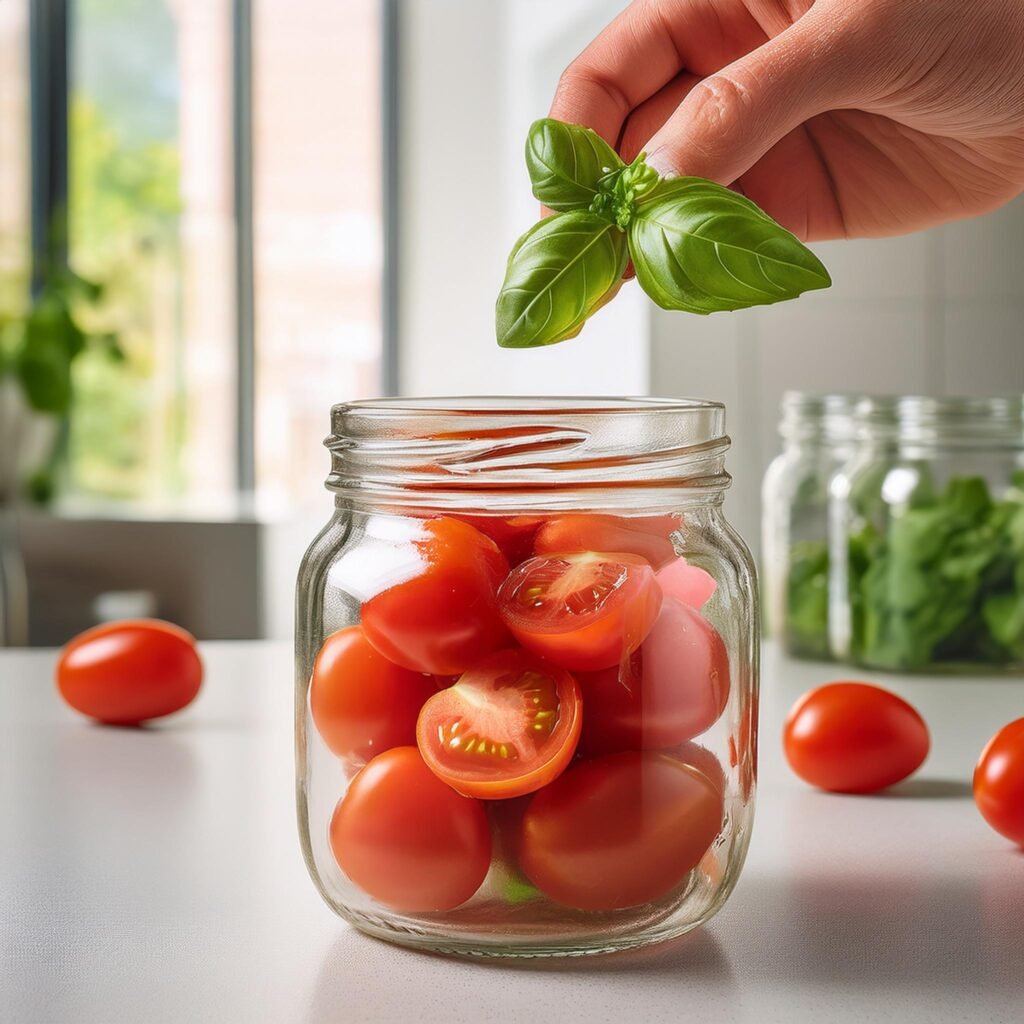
(730, 119)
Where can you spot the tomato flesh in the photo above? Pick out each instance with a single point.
(407, 839)
(646, 536)
(999, 782)
(444, 616)
(619, 831)
(673, 688)
(361, 703)
(851, 737)
(506, 728)
(124, 673)
(582, 611)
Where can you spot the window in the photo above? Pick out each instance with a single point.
(151, 218)
(317, 228)
(14, 154)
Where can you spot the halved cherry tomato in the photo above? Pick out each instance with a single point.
(689, 583)
(673, 688)
(854, 738)
(123, 673)
(407, 839)
(581, 611)
(513, 534)
(619, 831)
(444, 616)
(508, 726)
(646, 536)
(363, 704)
(999, 782)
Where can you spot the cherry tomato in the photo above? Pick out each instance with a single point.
(646, 536)
(444, 617)
(407, 839)
(508, 726)
(702, 760)
(854, 738)
(619, 831)
(673, 688)
(583, 612)
(689, 583)
(513, 534)
(361, 703)
(999, 782)
(123, 673)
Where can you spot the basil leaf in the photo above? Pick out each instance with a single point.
(559, 272)
(702, 248)
(566, 163)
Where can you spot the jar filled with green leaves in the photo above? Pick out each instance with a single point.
(817, 438)
(928, 544)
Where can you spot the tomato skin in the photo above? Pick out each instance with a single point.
(511, 702)
(673, 688)
(407, 839)
(619, 831)
(999, 782)
(646, 536)
(850, 737)
(361, 703)
(599, 632)
(513, 534)
(688, 583)
(124, 673)
(445, 617)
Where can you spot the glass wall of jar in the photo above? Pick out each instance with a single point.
(526, 675)
(929, 542)
(817, 439)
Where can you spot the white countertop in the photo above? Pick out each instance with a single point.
(152, 876)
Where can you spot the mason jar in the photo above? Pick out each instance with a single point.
(526, 674)
(817, 439)
(929, 536)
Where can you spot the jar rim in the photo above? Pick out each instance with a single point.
(962, 421)
(507, 452)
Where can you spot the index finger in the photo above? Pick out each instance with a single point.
(629, 61)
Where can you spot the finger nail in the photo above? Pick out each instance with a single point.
(661, 161)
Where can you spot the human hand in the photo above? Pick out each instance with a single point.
(840, 118)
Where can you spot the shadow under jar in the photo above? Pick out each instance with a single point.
(526, 675)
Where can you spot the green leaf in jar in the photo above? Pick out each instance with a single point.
(559, 273)
(703, 248)
(566, 163)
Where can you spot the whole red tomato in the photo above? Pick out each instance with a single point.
(124, 673)
(673, 688)
(999, 782)
(619, 831)
(361, 703)
(407, 839)
(443, 617)
(854, 738)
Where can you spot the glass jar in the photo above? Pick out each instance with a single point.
(929, 536)
(817, 439)
(526, 675)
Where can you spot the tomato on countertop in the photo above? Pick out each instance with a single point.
(361, 703)
(851, 737)
(124, 673)
(507, 727)
(999, 782)
(673, 688)
(443, 616)
(582, 611)
(619, 831)
(407, 839)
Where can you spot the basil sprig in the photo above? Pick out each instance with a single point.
(696, 246)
